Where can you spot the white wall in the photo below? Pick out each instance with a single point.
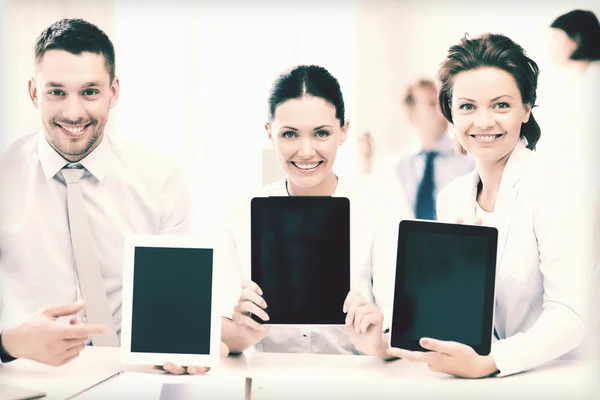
(3, 41)
(195, 79)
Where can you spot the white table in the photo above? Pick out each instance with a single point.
(300, 376)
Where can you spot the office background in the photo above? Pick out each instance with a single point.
(195, 74)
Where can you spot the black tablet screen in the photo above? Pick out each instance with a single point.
(301, 257)
(172, 291)
(444, 285)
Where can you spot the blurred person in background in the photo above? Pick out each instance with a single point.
(424, 172)
(571, 121)
(366, 153)
(569, 114)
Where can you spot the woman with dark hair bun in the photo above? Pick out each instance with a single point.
(306, 124)
(544, 269)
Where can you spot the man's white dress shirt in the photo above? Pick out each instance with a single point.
(127, 189)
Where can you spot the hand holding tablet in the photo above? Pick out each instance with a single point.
(168, 304)
(449, 357)
(448, 293)
(364, 322)
(251, 303)
(177, 369)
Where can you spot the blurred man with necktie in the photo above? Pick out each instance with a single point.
(424, 172)
(70, 194)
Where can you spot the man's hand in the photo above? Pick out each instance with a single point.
(44, 340)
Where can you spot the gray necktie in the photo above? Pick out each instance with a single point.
(90, 280)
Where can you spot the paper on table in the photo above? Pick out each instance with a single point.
(135, 385)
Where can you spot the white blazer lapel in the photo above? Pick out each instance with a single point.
(457, 200)
(508, 193)
(468, 205)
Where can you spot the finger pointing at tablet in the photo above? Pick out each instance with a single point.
(44, 340)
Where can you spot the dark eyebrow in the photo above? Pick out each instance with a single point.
(289, 127)
(321, 127)
(494, 99)
(91, 84)
(59, 85)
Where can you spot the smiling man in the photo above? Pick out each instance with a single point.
(70, 194)
(73, 125)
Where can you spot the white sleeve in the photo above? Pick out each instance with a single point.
(227, 269)
(562, 231)
(443, 204)
(383, 256)
(391, 208)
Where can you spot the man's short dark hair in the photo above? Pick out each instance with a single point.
(76, 36)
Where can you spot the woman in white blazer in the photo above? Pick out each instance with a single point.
(488, 89)
(306, 125)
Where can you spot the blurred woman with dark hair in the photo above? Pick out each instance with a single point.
(576, 38)
(571, 119)
(571, 98)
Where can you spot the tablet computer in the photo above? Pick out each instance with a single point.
(169, 312)
(444, 286)
(301, 258)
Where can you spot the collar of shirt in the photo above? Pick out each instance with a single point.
(341, 190)
(52, 162)
(442, 146)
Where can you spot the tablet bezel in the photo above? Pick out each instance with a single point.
(346, 203)
(491, 233)
(129, 357)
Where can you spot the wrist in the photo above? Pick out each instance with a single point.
(383, 349)
(7, 351)
(371, 346)
(488, 366)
